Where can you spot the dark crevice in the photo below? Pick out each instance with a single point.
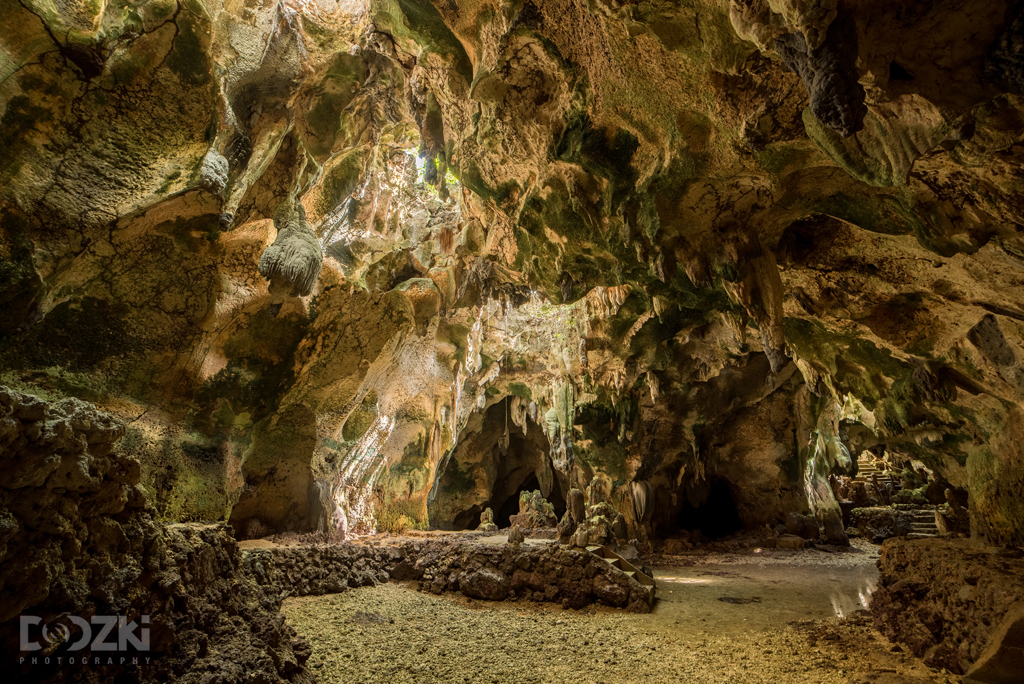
(898, 73)
(510, 506)
(716, 516)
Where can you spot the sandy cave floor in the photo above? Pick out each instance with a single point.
(779, 623)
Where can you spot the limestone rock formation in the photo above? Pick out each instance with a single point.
(534, 511)
(487, 521)
(515, 535)
(951, 518)
(364, 267)
(79, 539)
(213, 175)
(293, 262)
(829, 72)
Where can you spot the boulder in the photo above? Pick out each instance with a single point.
(790, 541)
(676, 547)
(484, 583)
(610, 592)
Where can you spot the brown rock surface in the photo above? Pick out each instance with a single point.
(944, 598)
(1000, 662)
(79, 539)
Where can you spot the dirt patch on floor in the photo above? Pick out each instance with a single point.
(425, 638)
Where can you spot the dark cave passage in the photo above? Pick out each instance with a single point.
(511, 505)
(468, 519)
(717, 517)
(519, 468)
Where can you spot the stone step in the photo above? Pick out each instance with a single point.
(623, 565)
(920, 535)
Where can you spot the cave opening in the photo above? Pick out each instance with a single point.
(717, 517)
(532, 449)
(510, 507)
(520, 467)
(503, 514)
(468, 519)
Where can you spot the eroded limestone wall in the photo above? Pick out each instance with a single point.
(944, 598)
(79, 539)
(717, 193)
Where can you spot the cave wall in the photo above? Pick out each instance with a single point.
(736, 216)
(78, 537)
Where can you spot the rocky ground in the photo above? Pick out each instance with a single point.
(394, 633)
(391, 633)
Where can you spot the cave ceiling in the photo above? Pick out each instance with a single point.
(303, 247)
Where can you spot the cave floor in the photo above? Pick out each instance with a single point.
(779, 624)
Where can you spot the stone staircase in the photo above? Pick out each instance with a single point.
(923, 526)
(866, 467)
(617, 561)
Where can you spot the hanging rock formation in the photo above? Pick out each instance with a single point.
(292, 264)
